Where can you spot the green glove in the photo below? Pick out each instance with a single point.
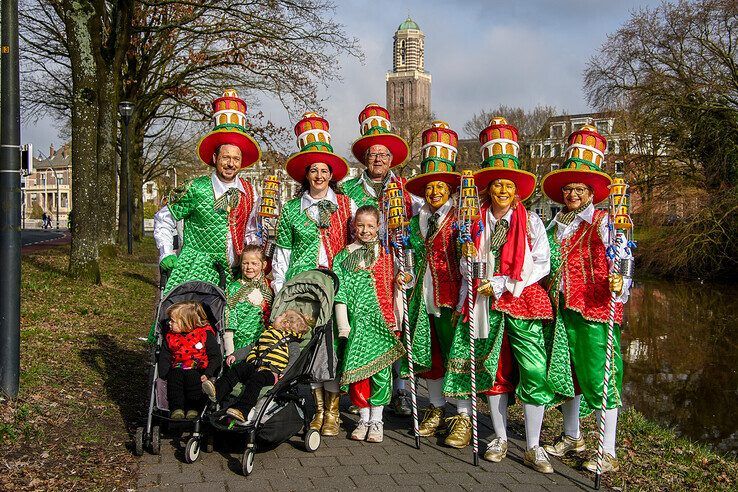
(168, 263)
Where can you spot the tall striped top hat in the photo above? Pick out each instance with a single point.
(229, 116)
(376, 129)
(314, 143)
(584, 158)
(500, 158)
(439, 154)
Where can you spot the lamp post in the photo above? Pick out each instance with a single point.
(56, 178)
(125, 108)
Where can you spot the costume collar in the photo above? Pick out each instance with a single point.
(308, 201)
(366, 181)
(491, 218)
(586, 215)
(425, 215)
(220, 187)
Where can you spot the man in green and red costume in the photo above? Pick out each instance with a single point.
(217, 209)
(580, 286)
(509, 302)
(380, 150)
(435, 296)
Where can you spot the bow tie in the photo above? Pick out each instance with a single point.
(366, 254)
(228, 200)
(325, 209)
(499, 236)
(432, 225)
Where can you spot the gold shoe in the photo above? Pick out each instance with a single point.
(565, 445)
(332, 419)
(609, 464)
(496, 450)
(433, 421)
(537, 459)
(317, 421)
(459, 431)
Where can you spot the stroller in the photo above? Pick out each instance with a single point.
(280, 412)
(213, 301)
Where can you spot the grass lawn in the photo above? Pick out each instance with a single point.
(82, 374)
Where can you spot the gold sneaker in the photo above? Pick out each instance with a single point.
(459, 431)
(565, 445)
(432, 421)
(609, 464)
(537, 459)
(496, 450)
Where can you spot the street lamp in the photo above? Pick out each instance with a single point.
(125, 108)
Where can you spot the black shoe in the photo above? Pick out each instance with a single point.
(401, 404)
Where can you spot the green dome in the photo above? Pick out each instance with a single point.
(408, 24)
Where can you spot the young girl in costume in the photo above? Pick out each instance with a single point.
(264, 364)
(365, 315)
(249, 301)
(190, 351)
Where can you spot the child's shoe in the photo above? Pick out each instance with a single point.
(236, 414)
(192, 414)
(178, 414)
(376, 432)
(208, 387)
(359, 434)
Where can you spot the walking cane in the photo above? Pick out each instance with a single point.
(468, 212)
(397, 233)
(621, 229)
(268, 213)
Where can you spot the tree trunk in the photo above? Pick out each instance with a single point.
(135, 164)
(109, 81)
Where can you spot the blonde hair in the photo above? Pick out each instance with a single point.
(189, 314)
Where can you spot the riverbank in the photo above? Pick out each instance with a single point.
(82, 374)
(83, 382)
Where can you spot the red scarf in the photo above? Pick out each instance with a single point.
(512, 254)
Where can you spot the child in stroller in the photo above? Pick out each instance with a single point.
(263, 365)
(191, 351)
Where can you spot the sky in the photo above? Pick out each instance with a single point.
(480, 54)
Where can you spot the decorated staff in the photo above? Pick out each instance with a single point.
(581, 286)
(435, 298)
(468, 214)
(621, 230)
(397, 236)
(268, 214)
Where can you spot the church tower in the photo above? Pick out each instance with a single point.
(408, 84)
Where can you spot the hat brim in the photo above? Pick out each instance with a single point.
(417, 185)
(396, 145)
(298, 164)
(250, 151)
(525, 182)
(555, 180)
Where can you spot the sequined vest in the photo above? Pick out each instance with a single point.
(583, 268)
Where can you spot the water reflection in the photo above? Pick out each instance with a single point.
(680, 348)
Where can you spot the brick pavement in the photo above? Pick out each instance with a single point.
(342, 464)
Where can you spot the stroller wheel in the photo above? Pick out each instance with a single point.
(192, 450)
(208, 445)
(138, 437)
(312, 440)
(247, 462)
(155, 440)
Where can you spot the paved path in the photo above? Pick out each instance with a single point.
(342, 464)
(36, 239)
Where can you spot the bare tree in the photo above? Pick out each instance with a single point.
(410, 123)
(528, 123)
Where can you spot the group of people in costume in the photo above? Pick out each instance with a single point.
(540, 295)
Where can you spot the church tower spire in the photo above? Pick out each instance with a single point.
(408, 84)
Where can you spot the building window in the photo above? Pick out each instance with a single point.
(64, 201)
(603, 127)
(402, 102)
(554, 166)
(403, 52)
(624, 147)
(546, 150)
(557, 131)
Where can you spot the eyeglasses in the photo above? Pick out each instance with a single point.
(574, 189)
(381, 156)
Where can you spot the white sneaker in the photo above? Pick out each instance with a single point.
(362, 429)
(376, 432)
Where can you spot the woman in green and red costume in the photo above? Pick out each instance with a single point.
(435, 297)
(381, 150)
(312, 229)
(366, 310)
(580, 287)
(218, 209)
(509, 301)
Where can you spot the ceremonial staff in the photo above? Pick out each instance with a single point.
(468, 212)
(268, 213)
(396, 215)
(621, 230)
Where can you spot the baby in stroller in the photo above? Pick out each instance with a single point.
(191, 351)
(263, 366)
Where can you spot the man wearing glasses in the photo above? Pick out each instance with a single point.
(580, 286)
(380, 150)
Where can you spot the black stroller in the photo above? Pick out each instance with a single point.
(213, 301)
(280, 412)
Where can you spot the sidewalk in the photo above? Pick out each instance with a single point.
(341, 464)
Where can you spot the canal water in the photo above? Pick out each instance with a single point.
(680, 351)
